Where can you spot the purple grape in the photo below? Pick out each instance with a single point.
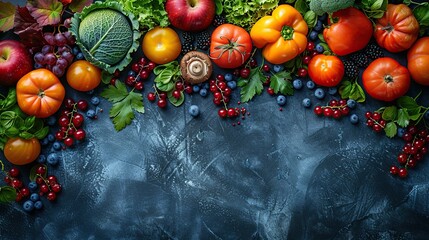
(70, 38)
(60, 40)
(68, 56)
(67, 22)
(49, 37)
(58, 71)
(50, 59)
(39, 58)
(47, 49)
(62, 63)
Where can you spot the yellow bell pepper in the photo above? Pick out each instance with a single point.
(283, 35)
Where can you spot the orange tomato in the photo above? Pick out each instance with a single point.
(418, 61)
(161, 45)
(39, 93)
(325, 70)
(21, 151)
(83, 76)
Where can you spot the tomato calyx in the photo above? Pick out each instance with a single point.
(287, 32)
(41, 93)
(389, 28)
(388, 78)
(230, 47)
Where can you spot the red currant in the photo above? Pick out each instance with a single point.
(222, 113)
(16, 183)
(52, 179)
(151, 66)
(176, 94)
(376, 116)
(336, 114)
(310, 46)
(56, 188)
(68, 142)
(306, 60)
(14, 172)
(82, 105)
(220, 77)
(402, 172)
(51, 196)
(318, 110)
(221, 85)
(302, 72)
(188, 90)
(151, 96)
(253, 63)
(44, 188)
(135, 67)
(270, 91)
(63, 121)
(69, 103)
(25, 191)
(179, 86)
(79, 134)
(144, 74)
(139, 86)
(266, 68)
(59, 135)
(394, 170)
(345, 111)
(162, 103)
(78, 120)
(41, 170)
(231, 112)
(402, 158)
(245, 73)
(327, 112)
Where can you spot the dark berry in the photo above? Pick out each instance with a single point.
(350, 69)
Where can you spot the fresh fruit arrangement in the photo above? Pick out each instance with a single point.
(228, 51)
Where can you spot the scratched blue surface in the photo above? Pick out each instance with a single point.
(280, 175)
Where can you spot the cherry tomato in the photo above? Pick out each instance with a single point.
(161, 45)
(21, 151)
(418, 61)
(83, 76)
(39, 93)
(385, 79)
(326, 70)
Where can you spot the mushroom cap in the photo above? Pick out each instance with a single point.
(196, 67)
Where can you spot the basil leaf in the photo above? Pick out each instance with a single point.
(42, 133)
(219, 7)
(26, 135)
(29, 122)
(301, 6)
(7, 194)
(310, 18)
(407, 102)
(422, 14)
(176, 102)
(7, 119)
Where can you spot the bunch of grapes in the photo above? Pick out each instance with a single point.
(57, 54)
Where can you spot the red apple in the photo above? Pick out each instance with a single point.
(15, 62)
(190, 15)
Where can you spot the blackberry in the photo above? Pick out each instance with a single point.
(374, 51)
(187, 47)
(219, 20)
(203, 40)
(350, 69)
(360, 59)
(188, 37)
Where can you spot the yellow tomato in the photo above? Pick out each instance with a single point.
(83, 76)
(21, 151)
(161, 45)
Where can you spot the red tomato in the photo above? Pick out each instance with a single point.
(350, 31)
(83, 76)
(418, 61)
(325, 70)
(21, 151)
(385, 79)
(230, 46)
(39, 93)
(398, 29)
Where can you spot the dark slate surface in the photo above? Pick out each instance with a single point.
(280, 175)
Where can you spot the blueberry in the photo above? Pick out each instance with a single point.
(28, 206)
(351, 103)
(354, 119)
(310, 84)
(319, 26)
(37, 65)
(228, 77)
(319, 93)
(95, 100)
(53, 159)
(203, 92)
(44, 141)
(400, 132)
(38, 205)
(41, 158)
(32, 186)
(80, 56)
(195, 88)
(51, 137)
(51, 120)
(75, 50)
(90, 113)
(232, 84)
(426, 116)
(132, 73)
(56, 145)
(319, 48)
(281, 100)
(297, 84)
(306, 102)
(314, 35)
(278, 68)
(34, 197)
(332, 90)
(194, 110)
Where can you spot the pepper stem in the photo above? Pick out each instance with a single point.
(287, 32)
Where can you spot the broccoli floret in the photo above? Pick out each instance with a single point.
(329, 6)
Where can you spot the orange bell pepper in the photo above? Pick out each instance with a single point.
(283, 35)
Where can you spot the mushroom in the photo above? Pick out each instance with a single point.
(196, 67)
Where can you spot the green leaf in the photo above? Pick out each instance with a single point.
(390, 113)
(106, 77)
(34, 175)
(407, 102)
(301, 6)
(12, 131)
(310, 18)
(165, 87)
(219, 7)
(29, 122)
(25, 135)
(422, 14)
(390, 129)
(403, 118)
(252, 86)
(78, 5)
(377, 4)
(115, 93)
(7, 194)
(176, 102)
(136, 100)
(7, 16)
(280, 83)
(351, 90)
(9, 101)
(46, 12)
(7, 119)
(41, 133)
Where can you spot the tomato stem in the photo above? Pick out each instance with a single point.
(388, 78)
(388, 28)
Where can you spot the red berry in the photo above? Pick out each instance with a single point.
(220, 77)
(266, 68)
(336, 114)
(135, 67)
(376, 116)
(402, 172)
(217, 101)
(69, 103)
(179, 86)
(18, 197)
(345, 111)
(394, 170)
(7, 179)
(342, 102)
(217, 95)
(306, 60)
(143, 61)
(377, 128)
(63, 121)
(368, 115)
(79, 134)
(14, 172)
(162, 103)
(310, 46)
(245, 73)
(68, 142)
(411, 163)
(59, 135)
(423, 150)
(144, 74)
(270, 91)
(113, 81)
(151, 66)
(139, 86)
(162, 95)
(176, 94)
(82, 105)
(318, 110)
(412, 130)
(39, 180)
(231, 112)
(52, 179)
(213, 88)
(222, 113)
(56, 188)
(253, 63)
(227, 91)
(78, 120)
(51, 196)
(16, 183)
(116, 73)
(25, 191)
(327, 112)
(236, 72)
(333, 103)
(221, 85)
(407, 137)
(41, 169)
(188, 90)
(402, 158)
(151, 96)
(302, 72)
(130, 81)
(44, 188)
(369, 122)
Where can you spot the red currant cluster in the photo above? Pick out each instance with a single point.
(374, 121)
(12, 179)
(179, 87)
(48, 185)
(335, 109)
(71, 121)
(140, 71)
(413, 151)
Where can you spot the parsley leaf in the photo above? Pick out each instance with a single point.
(124, 104)
(280, 83)
(251, 86)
